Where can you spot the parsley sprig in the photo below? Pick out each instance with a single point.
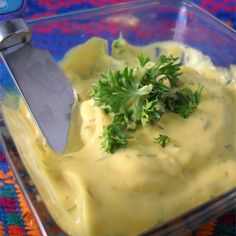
(163, 140)
(140, 96)
(114, 136)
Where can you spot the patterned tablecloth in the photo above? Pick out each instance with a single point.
(15, 216)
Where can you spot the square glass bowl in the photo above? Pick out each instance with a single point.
(141, 23)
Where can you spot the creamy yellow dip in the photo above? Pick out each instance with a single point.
(91, 193)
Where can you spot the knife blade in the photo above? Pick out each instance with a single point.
(46, 91)
(43, 86)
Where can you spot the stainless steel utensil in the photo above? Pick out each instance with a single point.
(46, 91)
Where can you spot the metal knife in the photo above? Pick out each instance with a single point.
(46, 91)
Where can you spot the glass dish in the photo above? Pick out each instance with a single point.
(141, 23)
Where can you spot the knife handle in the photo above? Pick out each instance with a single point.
(11, 9)
(13, 29)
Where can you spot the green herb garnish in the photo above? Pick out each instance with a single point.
(114, 137)
(185, 101)
(140, 96)
(163, 140)
(143, 60)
